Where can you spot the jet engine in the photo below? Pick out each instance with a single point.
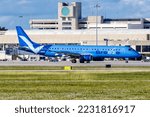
(52, 54)
(87, 58)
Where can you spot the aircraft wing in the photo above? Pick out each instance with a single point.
(71, 54)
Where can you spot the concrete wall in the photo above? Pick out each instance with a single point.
(88, 37)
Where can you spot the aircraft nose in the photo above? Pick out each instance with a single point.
(137, 54)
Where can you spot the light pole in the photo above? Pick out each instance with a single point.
(20, 20)
(97, 6)
(106, 41)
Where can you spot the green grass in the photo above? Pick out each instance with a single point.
(74, 85)
(61, 67)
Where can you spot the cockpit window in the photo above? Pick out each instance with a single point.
(130, 49)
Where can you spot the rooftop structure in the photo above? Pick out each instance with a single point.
(70, 18)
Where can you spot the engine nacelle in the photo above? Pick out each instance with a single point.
(52, 54)
(86, 57)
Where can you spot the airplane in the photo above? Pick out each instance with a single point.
(85, 53)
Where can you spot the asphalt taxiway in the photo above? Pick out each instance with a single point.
(68, 63)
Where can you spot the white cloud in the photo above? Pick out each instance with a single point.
(134, 2)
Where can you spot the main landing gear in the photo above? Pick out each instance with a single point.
(74, 61)
(81, 61)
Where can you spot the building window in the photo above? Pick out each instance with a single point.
(146, 27)
(83, 28)
(82, 22)
(69, 19)
(1, 47)
(63, 18)
(138, 48)
(66, 23)
(148, 36)
(66, 28)
(145, 48)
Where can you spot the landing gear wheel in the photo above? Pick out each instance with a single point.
(73, 60)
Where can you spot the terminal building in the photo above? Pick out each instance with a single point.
(70, 18)
(72, 29)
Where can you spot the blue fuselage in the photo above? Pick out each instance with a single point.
(94, 51)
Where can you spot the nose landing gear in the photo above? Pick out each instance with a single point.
(126, 60)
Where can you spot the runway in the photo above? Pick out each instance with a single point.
(68, 63)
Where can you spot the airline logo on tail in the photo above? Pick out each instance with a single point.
(30, 45)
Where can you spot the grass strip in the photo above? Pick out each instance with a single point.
(74, 85)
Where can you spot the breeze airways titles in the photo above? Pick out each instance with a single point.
(107, 52)
(35, 109)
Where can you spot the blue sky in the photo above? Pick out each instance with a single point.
(10, 10)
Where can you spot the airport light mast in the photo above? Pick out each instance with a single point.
(97, 7)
